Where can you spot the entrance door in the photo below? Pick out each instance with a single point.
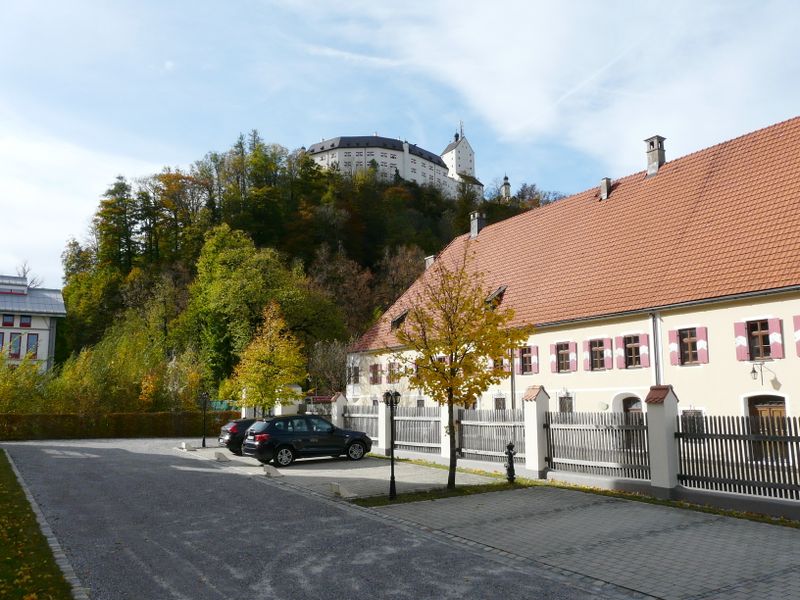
(632, 409)
(768, 418)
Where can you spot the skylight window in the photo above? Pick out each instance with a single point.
(399, 319)
(496, 297)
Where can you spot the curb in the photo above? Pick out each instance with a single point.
(78, 591)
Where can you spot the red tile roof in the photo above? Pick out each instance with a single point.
(715, 223)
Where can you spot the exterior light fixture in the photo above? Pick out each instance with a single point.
(391, 399)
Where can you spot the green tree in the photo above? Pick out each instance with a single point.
(271, 367)
(449, 336)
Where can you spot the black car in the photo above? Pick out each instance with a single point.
(283, 439)
(231, 435)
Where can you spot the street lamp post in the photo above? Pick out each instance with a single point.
(391, 399)
(204, 396)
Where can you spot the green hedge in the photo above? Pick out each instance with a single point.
(112, 425)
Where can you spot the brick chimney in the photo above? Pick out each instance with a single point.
(655, 154)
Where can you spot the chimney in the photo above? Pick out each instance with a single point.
(477, 221)
(605, 188)
(429, 261)
(655, 154)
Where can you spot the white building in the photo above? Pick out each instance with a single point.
(397, 158)
(28, 325)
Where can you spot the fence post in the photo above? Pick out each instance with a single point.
(535, 403)
(384, 429)
(337, 409)
(662, 416)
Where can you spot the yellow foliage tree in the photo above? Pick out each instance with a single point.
(270, 366)
(452, 337)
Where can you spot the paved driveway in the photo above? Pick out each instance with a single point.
(664, 552)
(140, 520)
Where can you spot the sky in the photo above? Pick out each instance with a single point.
(560, 94)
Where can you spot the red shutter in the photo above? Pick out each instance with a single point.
(553, 359)
(796, 334)
(573, 356)
(702, 345)
(587, 356)
(775, 339)
(674, 348)
(608, 354)
(742, 349)
(518, 363)
(619, 350)
(535, 358)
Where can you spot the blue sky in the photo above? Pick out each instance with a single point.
(559, 94)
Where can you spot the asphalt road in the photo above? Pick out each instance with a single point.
(139, 520)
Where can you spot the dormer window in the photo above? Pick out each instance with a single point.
(399, 320)
(496, 297)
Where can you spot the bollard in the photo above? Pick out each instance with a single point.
(510, 452)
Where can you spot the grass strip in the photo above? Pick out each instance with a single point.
(522, 482)
(28, 570)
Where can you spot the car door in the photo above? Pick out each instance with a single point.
(327, 439)
(300, 435)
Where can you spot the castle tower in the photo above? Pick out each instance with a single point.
(505, 189)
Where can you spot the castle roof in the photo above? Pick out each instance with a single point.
(715, 224)
(374, 141)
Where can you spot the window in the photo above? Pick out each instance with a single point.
(8, 320)
(32, 346)
(633, 356)
(399, 320)
(375, 374)
(320, 425)
(526, 364)
(499, 403)
(562, 356)
(565, 403)
(352, 374)
(393, 376)
(597, 355)
(687, 343)
(14, 345)
(758, 339)
(298, 424)
(24, 320)
(420, 402)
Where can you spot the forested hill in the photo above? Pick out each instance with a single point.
(178, 265)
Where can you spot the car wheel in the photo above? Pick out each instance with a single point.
(356, 450)
(284, 456)
(236, 451)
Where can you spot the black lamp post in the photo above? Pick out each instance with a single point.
(391, 399)
(204, 397)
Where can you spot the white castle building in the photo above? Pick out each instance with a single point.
(393, 157)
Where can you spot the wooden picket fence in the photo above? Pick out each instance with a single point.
(484, 434)
(745, 455)
(611, 444)
(418, 429)
(362, 418)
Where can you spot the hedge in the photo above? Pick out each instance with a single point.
(112, 425)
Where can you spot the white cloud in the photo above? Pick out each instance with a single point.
(598, 77)
(51, 188)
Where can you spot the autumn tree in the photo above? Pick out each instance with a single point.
(450, 335)
(327, 366)
(271, 366)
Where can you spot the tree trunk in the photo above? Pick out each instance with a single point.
(451, 475)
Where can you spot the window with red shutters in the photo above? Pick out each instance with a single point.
(526, 364)
(14, 345)
(632, 354)
(758, 339)
(562, 357)
(687, 342)
(32, 345)
(597, 355)
(25, 320)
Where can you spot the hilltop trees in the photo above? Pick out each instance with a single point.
(179, 265)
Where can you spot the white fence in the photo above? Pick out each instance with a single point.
(418, 429)
(485, 434)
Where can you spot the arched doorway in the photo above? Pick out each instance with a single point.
(631, 404)
(767, 416)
